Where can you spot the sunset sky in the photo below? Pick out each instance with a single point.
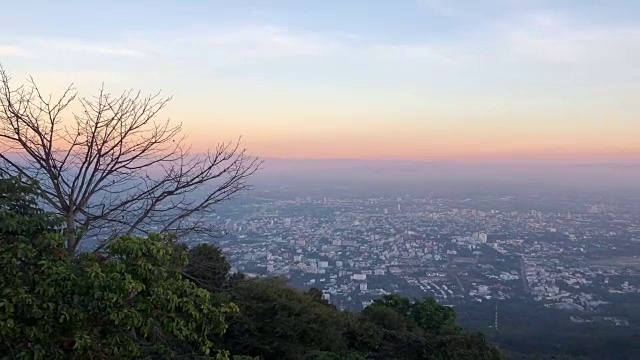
(419, 79)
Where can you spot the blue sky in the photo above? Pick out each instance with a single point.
(493, 76)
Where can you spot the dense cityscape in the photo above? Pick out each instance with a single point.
(574, 254)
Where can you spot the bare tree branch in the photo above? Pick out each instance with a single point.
(112, 168)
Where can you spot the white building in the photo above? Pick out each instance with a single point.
(483, 289)
(359, 277)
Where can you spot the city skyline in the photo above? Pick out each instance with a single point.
(426, 79)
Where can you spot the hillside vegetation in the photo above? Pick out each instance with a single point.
(152, 298)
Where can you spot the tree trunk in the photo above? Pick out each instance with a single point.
(70, 234)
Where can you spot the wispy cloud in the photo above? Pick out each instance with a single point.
(544, 39)
(436, 7)
(119, 49)
(552, 39)
(427, 53)
(253, 42)
(82, 77)
(227, 43)
(7, 50)
(268, 38)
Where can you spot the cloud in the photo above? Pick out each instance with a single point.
(507, 36)
(543, 40)
(436, 7)
(82, 46)
(426, 52)
(7, 50)
(230, 43)
(255, 42)
(551, 39)
(268, 38)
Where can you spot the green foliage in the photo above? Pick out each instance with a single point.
(278, 322)
(395, 312)
(461, 346)
(115, 305)
(20, 217)
(324, 355)
(100, 306)
(387, 318)
(400, 304)
(208, 267)
(423, 329)
(429, 316)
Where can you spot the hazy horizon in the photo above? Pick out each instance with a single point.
(619, 176)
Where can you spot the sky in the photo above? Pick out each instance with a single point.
(338, 79)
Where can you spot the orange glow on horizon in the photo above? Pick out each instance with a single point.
(434, 137)
(308, 148)
(312, 149)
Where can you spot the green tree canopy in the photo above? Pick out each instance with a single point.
(395, 312)
(113, 305)
(279, 322)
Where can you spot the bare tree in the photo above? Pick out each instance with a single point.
(111, 168)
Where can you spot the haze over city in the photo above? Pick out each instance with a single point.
(419, 80)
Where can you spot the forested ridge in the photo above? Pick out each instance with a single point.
(154, 298)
